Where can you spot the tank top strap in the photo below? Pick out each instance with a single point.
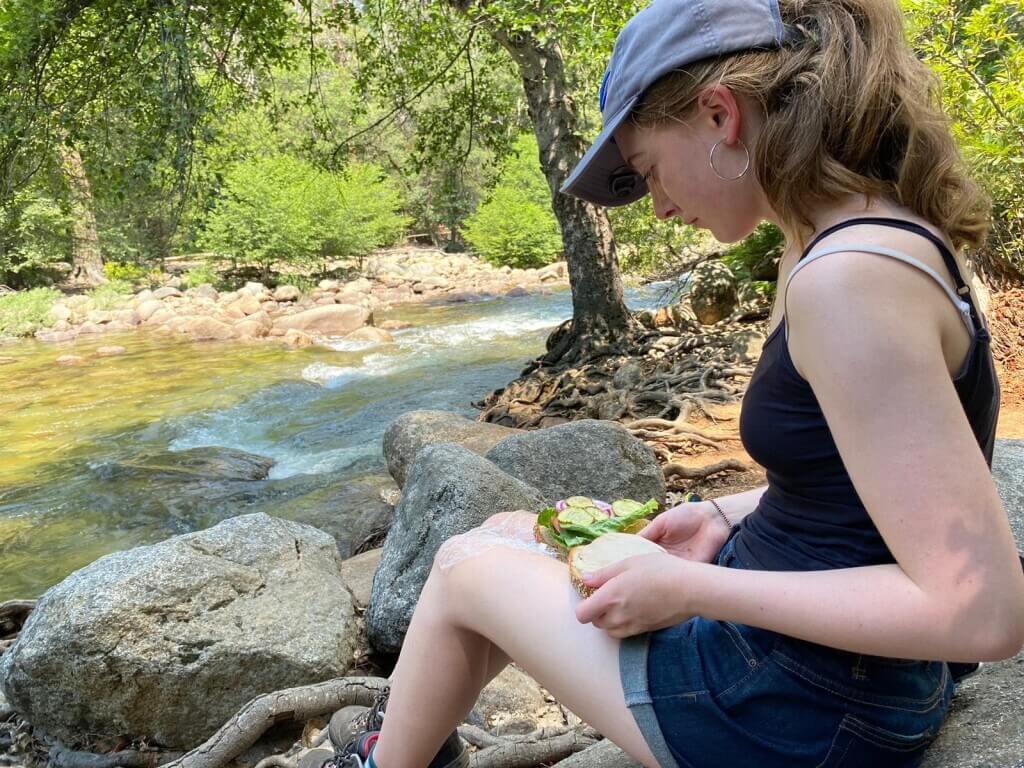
(961, 298)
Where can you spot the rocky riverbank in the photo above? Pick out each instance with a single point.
(200, 624)
(333, 309)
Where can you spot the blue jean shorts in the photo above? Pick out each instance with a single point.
(714, 693)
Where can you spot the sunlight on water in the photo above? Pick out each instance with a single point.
(80, 442)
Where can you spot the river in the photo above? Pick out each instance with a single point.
(69, 433)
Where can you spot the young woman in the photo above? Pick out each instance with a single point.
(811, 621)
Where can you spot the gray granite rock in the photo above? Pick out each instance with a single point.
(412, 431)
(586, 457)
(985, 728)
(449, 490)
(166, 642)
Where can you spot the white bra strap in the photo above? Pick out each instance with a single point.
(962, 306)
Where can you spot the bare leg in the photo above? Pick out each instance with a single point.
(516, 604)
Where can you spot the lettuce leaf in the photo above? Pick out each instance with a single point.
(574, 535)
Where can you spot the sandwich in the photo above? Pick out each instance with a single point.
(604, 551)
(579, 520)
(591, 534)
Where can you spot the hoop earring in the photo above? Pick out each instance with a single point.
(746, 166)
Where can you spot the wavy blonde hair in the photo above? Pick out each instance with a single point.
(848, 108)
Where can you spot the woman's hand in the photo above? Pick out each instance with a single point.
(638, 594)
(692, 531)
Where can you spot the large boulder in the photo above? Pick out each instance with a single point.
(329, 320)
(166, 642)
(449, 490)
(412, 431)
(713, 293)
(587, 457)
(984, 725)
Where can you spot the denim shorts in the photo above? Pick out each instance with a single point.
(714, 693)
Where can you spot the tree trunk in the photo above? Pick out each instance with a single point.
(86, 262)
(600, 315)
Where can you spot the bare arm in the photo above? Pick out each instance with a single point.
(738, 505)
(956, 591)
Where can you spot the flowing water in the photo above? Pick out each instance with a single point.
(87, 452)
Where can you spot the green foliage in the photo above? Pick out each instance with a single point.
(645, 244)
(201, 275)
(111, 295)
(977, 49)
(751, 259)
(124, 272)
(516, 226)
(23, 312)
(34, 239)
(282, 210)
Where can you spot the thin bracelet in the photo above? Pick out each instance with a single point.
(715, 505)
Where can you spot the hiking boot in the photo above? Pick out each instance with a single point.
(357, 728)
(453, 753)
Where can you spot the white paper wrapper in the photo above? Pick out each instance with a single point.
(514, 532)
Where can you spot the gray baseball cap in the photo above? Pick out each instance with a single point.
(665, 35)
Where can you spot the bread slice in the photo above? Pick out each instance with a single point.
(604, 551)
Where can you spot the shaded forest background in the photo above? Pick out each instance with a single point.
(267, 138)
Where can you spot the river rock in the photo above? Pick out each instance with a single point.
(146, 309)
(395, 325)
(449, 490)
(587, 457)
(55, 336)
(111, 351)
(254, 289)
(412, 431)
(509, 703)
(249, 329)
(8, 360)
(166, 292)
(208, 329)
(248, 304)
(357, 573)
(331, 320)
(166, 642)
(713, 292)
(294, 339)
(287, 293)
(369, 333)
(204, 463)
(70, 360)
(204, 291)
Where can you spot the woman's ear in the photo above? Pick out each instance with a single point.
(723, 111)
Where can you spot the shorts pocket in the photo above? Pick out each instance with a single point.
(859, 743)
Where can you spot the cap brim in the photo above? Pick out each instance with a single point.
(602, 176)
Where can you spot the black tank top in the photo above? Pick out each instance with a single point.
(811, 517)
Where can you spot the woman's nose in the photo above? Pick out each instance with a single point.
(663, 207)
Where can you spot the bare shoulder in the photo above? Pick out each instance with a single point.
(855, 296)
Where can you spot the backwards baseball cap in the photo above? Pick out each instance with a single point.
(665, 35)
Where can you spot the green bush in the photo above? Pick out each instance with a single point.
(977, 49)
(645, 244)
(755, 258)
(515, 226)
(125, 272)
(110, 295)
(201, 275)
(22, 312)
(34, 239)
(282, 210)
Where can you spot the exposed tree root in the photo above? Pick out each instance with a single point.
(62, 757)
(252, 721)
(531, 751)
(653, 381)
(699, 473)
